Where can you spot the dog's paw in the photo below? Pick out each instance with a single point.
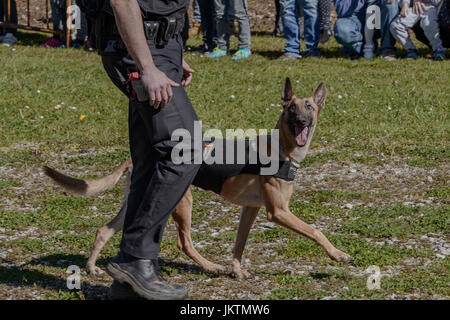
(94, 270)
(340, 256)
(240, 274)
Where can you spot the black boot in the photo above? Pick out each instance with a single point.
(124, 291)
(144, 277)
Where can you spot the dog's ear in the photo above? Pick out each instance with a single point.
(320, 95)
(287, 93)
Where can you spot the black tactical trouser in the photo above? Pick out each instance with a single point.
(157, 184)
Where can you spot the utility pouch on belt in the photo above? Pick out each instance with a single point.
(161, 29)
(141, 94)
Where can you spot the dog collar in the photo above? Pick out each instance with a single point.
(294, 162)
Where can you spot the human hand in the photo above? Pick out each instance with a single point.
(405, 9)
(419, 7)
(187, 74)
(158, 86)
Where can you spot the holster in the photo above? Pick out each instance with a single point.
(161, 29)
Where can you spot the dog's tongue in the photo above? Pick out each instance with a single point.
(301, 136)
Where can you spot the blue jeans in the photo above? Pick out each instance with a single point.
(388, 12)
(289, 17)
(312, 23)
(196, 14)
(348, 31)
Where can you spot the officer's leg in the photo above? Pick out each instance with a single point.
(167, 182)
(145, 220)
(140, 144)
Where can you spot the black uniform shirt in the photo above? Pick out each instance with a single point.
(163, 7)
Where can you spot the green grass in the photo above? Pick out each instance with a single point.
(340, 284)
(377, 113)
(382, 107)
(398, 221)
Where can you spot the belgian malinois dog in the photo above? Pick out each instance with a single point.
(296, 126)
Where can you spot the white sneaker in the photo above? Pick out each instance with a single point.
(9, 39)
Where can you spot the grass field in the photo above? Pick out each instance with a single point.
(375, 182)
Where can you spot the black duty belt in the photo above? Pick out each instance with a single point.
(163, 29)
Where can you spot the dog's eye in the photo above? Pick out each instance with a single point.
(292, 108)
(308, 106)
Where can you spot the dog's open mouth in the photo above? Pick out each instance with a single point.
(301, 135)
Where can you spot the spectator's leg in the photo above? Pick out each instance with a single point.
(429, 24)
(83, 31)
(348, 32)
(240, 8)
(230, 10)
(58, 15)
(197, 15)
(312, 24)
(420, 35)
(222, 27)
(369, 29)
(301, 19)
(445, 36)
(325, 17)
(444, 23)
(325, 14)
(388, 13)
(208, 24)
(278, 28)
(13, 17)
(399, 29)
(289, 16)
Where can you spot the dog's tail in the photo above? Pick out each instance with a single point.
(88, 187)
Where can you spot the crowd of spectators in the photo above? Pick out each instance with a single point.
(358, 27)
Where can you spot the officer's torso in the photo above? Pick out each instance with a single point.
(163, 7)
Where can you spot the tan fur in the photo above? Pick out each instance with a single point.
(249, 191)
(88, 187)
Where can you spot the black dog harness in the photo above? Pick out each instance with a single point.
(213, 176)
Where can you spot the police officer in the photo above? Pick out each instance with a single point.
(150, 33)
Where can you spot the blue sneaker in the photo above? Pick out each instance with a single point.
(217, 53)
(439, 55)
(412, 54)
(242, 53)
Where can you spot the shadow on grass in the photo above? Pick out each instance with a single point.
(34, 39)
(66, 260)
(20, 276)
(334, 52)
